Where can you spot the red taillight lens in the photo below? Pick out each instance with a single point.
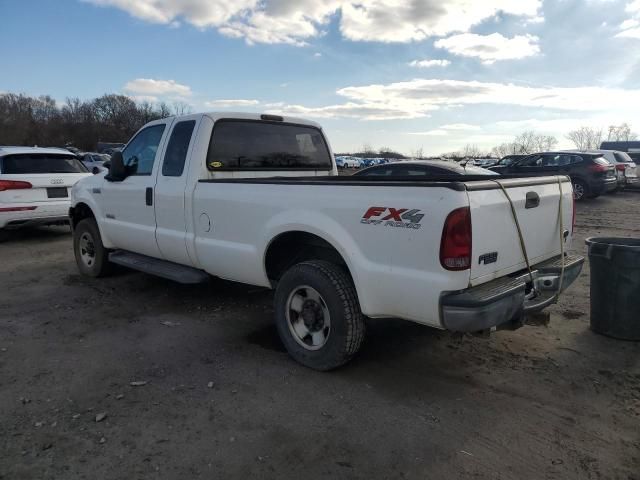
(13, 185)
(455, 246)
(620, 167)
(598, 168)
(573, 215)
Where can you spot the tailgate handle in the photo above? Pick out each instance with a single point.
(533, 200)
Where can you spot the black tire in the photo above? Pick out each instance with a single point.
(4, 235)
(99, 266)
(580, 190)
(338, 297)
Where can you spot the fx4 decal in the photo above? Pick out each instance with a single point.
(393, 217)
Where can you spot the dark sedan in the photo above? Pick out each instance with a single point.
(423, 168)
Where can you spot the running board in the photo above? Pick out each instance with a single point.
(161, 268)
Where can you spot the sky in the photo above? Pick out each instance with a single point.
(407, 75)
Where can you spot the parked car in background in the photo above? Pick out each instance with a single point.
(35, 184)
(110, 151)
(484, 162)
(348, 162)
(109, 147)
(632, 147)
(623, 163)
(591, 175)
(423, 168)
(508, 160)
(95, 161)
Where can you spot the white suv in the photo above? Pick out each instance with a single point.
(35, 184)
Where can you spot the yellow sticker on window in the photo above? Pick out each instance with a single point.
(215, 164)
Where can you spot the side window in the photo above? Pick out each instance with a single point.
(141, 151)
(412, 172)
(575, 159)
(380, 172)
(177, 149)
(532, 161)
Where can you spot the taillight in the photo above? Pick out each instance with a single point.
(13, 185)
(455, 246)
(620, 167)
(598, 168)
(573, 215)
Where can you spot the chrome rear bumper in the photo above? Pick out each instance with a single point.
(504, 302)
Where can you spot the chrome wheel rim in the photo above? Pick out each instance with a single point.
(578, 191)
(308, 317)
(87, 249)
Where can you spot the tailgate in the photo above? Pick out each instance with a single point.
(496, 248)
(44, 187)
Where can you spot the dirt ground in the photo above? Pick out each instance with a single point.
(223, 400)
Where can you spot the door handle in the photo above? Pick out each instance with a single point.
(533, 200)
(149, 196)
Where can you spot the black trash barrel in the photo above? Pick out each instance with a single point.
(615, 286)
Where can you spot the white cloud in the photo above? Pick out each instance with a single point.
(490, 48)
(297, 21)
(151, 87)
(356, 110)
(431, 133)
(429, 63)
(461, 126)
(417, 98)
(230, 103)
(317, 55)
(630, 28)
(144, 98)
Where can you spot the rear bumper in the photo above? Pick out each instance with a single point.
(44, 213)
(503, 302)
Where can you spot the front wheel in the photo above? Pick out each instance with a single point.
(318, 315)
(91, 256)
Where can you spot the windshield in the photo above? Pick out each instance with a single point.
(41, 163)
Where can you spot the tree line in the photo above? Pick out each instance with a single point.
(41, 121)
(583, 138)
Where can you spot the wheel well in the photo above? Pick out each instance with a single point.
(290, 248)
(80, 212)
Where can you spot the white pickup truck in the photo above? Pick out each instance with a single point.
(256, 199)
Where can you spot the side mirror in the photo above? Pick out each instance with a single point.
(117, 169)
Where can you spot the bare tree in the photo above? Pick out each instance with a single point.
(28, 120)
(418, 153)
(182, 108)
(621, 133)
(367, 149)
(471, 151)
(585, 138)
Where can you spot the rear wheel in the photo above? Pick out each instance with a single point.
(91, 256)
(580, 190)
(318, 316)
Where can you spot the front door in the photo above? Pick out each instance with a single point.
(130, 219)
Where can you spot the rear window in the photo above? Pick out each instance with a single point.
(41, 163)
(622, 157)
(258, 145)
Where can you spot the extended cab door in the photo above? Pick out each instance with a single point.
(171, 196)
(129, 214)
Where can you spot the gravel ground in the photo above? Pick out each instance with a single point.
(219, 398)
